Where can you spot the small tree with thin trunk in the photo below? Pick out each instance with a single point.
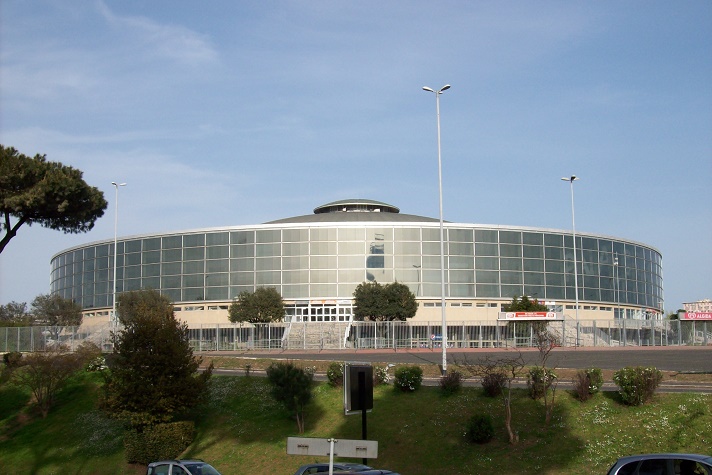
(504, 371)
(546, 340)
(46, 373)
(292, 386)
(542, 380)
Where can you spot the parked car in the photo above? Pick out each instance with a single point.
(373, 471)
(181, 467)
(324, 468)
(663, 464)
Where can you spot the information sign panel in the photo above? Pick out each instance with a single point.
(341, 447)
(695, 315)
(525, 316)
(358, 383)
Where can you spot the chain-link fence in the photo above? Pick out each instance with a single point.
(382, 335)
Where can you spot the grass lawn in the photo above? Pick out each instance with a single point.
(240, 429)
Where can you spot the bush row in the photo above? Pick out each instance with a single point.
(636, 385)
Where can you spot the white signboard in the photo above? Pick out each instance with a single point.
(529, 316)
(332, 447)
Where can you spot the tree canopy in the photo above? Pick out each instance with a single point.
(53, 310)
(14, 313)
(525, 304)
(53, 195)
(394, 301)
(154, 374)
(264, 305)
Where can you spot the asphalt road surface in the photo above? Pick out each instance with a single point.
(677, 359)
(671, 358)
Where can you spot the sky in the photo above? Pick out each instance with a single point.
(227, 113)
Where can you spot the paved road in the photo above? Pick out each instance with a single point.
(680, 359)
(672, 358)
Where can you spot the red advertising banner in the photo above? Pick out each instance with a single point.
(530, 316)
(696, 316)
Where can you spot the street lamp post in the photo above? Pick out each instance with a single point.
(571, 181)
(442, 233)
(114, 320)
(616, 273)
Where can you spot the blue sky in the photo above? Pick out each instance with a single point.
(229, 113)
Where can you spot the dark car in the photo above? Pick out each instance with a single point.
(324, 468)
(181, 467)
(373, 471)
(663, 464)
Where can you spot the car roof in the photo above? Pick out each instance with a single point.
(697, 457)
(340, 464)
(177, 461)
(706, 459)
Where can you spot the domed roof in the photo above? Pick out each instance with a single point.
(357, 205)
(355, 210)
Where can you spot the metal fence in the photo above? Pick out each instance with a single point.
(382, 335)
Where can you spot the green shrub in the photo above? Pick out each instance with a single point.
(493, 383)
(637, 385)
(587, 383)
(12, 359)
(335, 374)
(480, 429)
(97, 364)
(539, 380)
(158, 442)
(451, 382)
(595, 377)
(87, 352)
(408, 378)
(380, 375)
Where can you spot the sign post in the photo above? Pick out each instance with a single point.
(358, 392)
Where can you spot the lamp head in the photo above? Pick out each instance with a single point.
(572, 178)
(425, 88)
(444, 88)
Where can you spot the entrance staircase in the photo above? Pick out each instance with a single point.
(316, 335)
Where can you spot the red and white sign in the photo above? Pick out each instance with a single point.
(529, 316)
(696, 316)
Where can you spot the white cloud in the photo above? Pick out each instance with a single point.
(172, 42)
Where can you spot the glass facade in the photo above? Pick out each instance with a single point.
(322, 261)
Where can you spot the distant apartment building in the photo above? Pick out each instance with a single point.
(704, 305)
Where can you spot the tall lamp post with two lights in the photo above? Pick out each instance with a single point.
(114, 320)
(442, 233)
(616, 274)
(571, 181)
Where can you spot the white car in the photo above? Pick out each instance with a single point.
(181, 467)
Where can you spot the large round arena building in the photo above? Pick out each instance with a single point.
(316, 261)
